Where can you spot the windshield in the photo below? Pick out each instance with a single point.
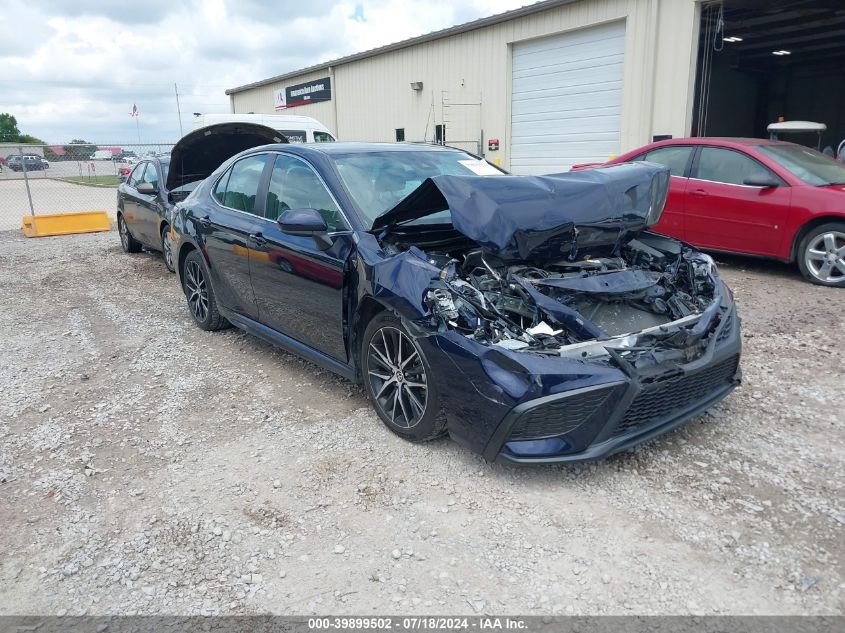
(811, 166)
(377, 181)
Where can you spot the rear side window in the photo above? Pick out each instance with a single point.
(675, 158)
(323, 137)
(295, 136)
(728, 166)
(242, 181)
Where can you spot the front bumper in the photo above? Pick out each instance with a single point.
(524, 409)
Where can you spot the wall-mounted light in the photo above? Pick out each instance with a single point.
(781, 53)
(732, 39)
(416, 85)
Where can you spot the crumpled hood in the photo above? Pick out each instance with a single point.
(542, 216)
(199, 153)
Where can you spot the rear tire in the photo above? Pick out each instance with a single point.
(821, 255)
(202, 303)
(167, 249)
(399, 381)
(129, 243)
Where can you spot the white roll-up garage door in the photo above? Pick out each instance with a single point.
(567, 99)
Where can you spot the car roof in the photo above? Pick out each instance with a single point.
(347, 147)
(718, 140)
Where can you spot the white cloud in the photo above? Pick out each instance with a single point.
(74, 70)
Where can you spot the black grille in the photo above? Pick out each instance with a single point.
(558, 417)
(662, 399)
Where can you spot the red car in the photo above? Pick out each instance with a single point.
(754, 197)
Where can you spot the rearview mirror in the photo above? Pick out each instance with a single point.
(761, 180)
(306, 222)
(147, 188)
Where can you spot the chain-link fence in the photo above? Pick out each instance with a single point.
(45, 179)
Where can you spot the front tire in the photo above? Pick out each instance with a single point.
(399, 381)
(129, 243)
(821, 255)
(200, 295)
(167, 249)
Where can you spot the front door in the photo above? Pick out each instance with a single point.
(150, 208)
(298, 287)
(723, 213)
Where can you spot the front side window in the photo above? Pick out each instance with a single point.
(728, 166)
(137, 175)
(151, 175)
(295, 185)
(675, 158)
(323, 137)
(242, 181)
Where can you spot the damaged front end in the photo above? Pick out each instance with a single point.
(578, 336)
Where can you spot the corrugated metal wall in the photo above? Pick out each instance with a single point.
(372, 97)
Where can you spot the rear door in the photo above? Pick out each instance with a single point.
(678, 158)
(298, 287)
(226, 228)
(725, 214)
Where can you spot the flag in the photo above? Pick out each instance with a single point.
(134, 110)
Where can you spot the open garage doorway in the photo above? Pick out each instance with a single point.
(761, 61)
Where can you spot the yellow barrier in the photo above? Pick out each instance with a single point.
(66, 223)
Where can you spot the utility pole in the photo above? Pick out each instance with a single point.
(178, 109)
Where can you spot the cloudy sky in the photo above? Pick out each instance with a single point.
(74, 69)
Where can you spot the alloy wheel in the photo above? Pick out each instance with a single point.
(124, 233)
(397, 377)
(197, 291)
(825, 257)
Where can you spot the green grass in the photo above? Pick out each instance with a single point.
(94, 181)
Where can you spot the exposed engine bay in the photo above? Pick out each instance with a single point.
(649, 286)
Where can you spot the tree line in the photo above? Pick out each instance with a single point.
(77, 149)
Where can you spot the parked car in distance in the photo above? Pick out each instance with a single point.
(32, 162)
(533, 319)
(145, 202)
(754, 197)
(296, 128)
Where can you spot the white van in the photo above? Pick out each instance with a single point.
(102, 154)
(297, 129)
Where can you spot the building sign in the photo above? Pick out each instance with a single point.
(303, 94)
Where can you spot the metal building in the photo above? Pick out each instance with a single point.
(559, 82)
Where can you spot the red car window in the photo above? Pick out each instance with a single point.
(728, 166)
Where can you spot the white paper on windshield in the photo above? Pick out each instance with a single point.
(480, 167)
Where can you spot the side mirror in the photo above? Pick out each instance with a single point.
(147, 188)
(761, 180)
(307, 222)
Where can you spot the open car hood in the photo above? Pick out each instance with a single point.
(541, 216)
(199, 153)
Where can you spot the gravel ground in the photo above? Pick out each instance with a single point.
(147, 466)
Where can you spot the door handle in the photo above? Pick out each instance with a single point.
(203, 221)
(699, 193)
(259, 239)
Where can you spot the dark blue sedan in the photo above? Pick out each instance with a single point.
(533, 319)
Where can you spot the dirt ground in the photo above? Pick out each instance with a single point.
(147, 466)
